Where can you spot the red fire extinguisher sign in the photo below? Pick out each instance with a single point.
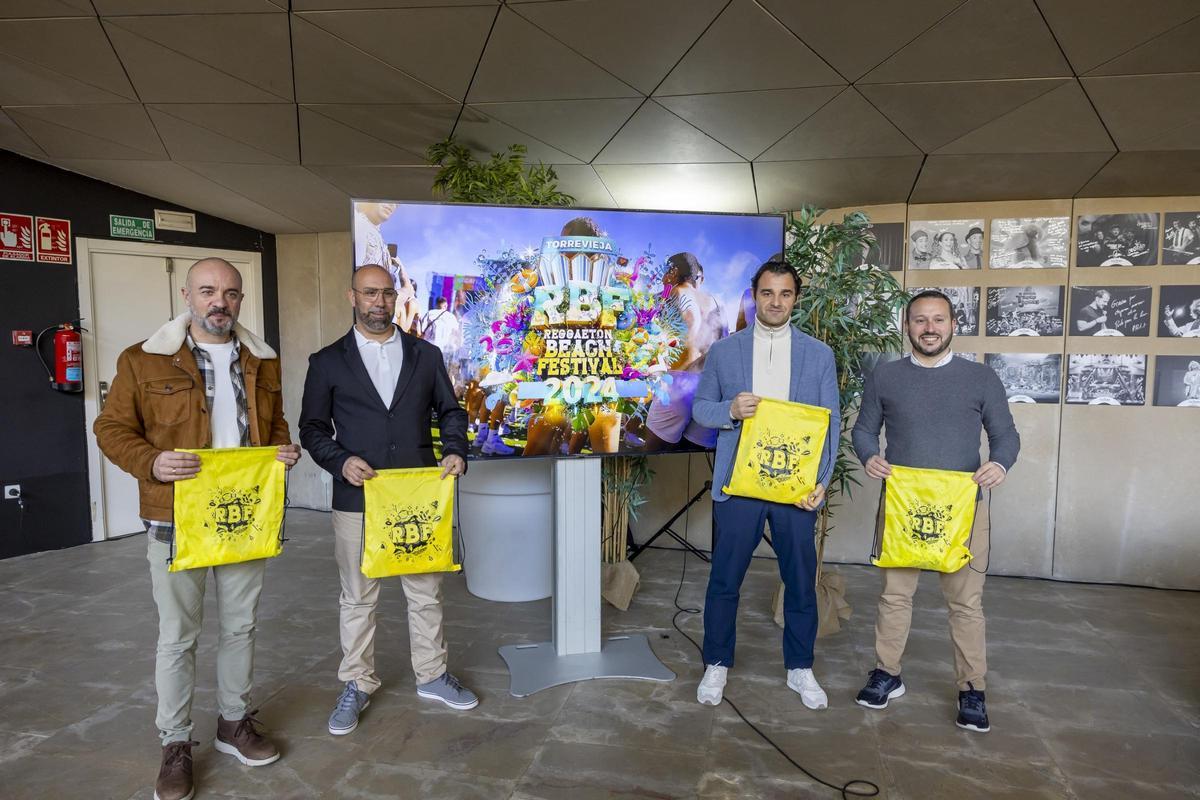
(53, 239)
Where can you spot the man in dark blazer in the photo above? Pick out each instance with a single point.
(367, 405)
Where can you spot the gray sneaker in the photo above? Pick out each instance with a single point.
(449, 691)
(350, 704)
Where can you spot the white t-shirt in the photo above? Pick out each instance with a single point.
(225, 431)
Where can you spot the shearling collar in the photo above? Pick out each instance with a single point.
(167, 340)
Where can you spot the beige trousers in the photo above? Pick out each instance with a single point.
(963, 592)
(360, 596)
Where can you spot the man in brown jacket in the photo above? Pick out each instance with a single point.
(200, 381)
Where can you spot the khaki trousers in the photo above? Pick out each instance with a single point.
(179, 597)
(963, 592)
(360, 597)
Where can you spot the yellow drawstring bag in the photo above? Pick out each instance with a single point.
(779, 452)
(232, 511)
(928, 515)
(408, 523)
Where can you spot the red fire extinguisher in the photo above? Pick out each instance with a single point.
(68, 357)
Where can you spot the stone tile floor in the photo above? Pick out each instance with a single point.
(1094, 694)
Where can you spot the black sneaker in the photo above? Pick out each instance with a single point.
(972, 711)
(881, 687)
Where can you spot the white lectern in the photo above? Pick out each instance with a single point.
(577, 652)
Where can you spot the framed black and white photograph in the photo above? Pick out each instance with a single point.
(887, 250)
(1181, 237)
(965, 300)
(1028, 377)
(1116, 240)
(1179, 311)
(1110, 311)
(1177, 381)
(945, 244)
(1025, 311)
(967, 356)
(1030, 243)
(1106, 380)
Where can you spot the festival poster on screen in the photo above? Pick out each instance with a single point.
(585, 330)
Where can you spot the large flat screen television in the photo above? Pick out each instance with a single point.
(569, 331)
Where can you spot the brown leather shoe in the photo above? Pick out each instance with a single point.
(242, 740)
(175, 775)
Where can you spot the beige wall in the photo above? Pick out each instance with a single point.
(1098, 494)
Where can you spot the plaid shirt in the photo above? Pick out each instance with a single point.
(165, 531)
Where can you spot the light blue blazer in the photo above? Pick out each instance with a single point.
(729, 370)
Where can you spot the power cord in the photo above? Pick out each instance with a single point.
(848, 789)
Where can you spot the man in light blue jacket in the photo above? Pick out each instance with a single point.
(774, 360)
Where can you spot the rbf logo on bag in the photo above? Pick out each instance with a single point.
(232, 511)
(928, 514)
(779, 452)
(408, 523)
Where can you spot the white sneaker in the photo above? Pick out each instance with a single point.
(712, 685)
(804, 683)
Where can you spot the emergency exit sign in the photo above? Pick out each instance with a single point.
(120, 227)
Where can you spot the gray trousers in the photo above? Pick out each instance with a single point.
(179, 597)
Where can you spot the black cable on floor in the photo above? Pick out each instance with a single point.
(847, 789)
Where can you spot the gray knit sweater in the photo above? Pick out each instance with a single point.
(933, 417)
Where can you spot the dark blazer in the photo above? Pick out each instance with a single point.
(342, 416)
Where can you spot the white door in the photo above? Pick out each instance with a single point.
(127, 292)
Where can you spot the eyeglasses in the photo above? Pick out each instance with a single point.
(374, 294)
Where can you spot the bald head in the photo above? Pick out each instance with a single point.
(207, 267)
(213, 293)
(370, 273)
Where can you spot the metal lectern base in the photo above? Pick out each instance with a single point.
(534, 667)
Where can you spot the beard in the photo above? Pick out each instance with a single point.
(937, 349)
(376, 324)
(215, 328)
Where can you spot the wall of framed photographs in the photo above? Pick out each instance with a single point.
(1089, 310)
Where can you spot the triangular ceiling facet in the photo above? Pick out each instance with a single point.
(656, 136)
(92, 131)
(327, 141)
(847, 127)
(80, 67)
(745, 50)
(410, 128)
(485, 136)
(1173, 51)
(248, 133)
(578, 127)
(1092, 32)
(1060, 121)
(750, 122)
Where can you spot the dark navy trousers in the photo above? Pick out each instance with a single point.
(737, 530)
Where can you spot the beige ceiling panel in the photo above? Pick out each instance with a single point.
(409, 127)
(380, 183)
(522, 62)
(744, 50)
(981, 40)
(92, 131)
(1173, 51)
(829, 183)
(854, 37)
(1093, 32)
(750, 122)
(581, 182)
(847, 127)
(14, 139)
(328, 70)
(205, 58)
(293, 192)
(934, 114)
(578, 127)
(1146, 174)
(1060, 121)
(438, 46)
(485, 136)
(59, 61)
(328, 141)
(1028, 176)
(238, 133)
(117, 8)
(15, 9)
(174, 183)
(635, 40)
(656, 136)
(1148, 112)
(681, 187)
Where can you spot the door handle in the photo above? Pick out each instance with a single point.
(103, 393)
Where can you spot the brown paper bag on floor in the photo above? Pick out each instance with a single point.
(832, 607)
(618, 582)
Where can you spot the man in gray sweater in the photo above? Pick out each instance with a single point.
(933, 407)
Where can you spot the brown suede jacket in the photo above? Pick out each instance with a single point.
(157, 403)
